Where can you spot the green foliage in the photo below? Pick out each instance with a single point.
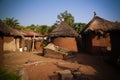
(44, 29)
(5, 75)
(44, 43)
(21, 28)
(32, 27)
(78, 27)
(68, 18)
(11, 22)
(40, 29)
(52, 27)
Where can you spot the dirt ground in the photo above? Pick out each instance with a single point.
(35, 67)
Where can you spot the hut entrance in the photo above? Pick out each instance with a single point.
(28, 45)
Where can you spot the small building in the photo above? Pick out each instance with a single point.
(32, 40)
(11, 38)
(95, 36)
(64, 36)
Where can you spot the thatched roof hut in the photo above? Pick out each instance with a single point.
(7, 31)
(95, 36)
(31, 39)
(100, 25)
(64, 36)
(63, 30)
(11, 38)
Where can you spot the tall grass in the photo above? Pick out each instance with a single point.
(6, 75)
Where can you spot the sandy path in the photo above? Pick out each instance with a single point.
(40, 68)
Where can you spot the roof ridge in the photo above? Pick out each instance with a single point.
(63, 29)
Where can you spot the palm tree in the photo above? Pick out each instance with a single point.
(11, 22)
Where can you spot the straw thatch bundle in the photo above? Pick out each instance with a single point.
(8, 31)
(29, 33)
(63, 30)
(98, 24)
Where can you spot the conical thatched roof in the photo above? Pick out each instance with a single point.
(63, 30)
(101, 25)
(8, 31)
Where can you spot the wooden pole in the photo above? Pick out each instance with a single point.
(33, 43)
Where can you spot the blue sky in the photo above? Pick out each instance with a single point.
(44, 12)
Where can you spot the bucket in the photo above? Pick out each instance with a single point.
(21, 50)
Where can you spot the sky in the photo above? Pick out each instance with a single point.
(44, 12)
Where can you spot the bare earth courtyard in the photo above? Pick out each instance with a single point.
(37, 67)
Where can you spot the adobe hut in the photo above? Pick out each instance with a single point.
(95, 36)
(11, 38)
(64, 36)
(8, 40)
(32, 40)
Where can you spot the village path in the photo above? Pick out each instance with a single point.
(37, 67)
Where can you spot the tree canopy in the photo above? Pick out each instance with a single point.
(78, 27)
(68, 18)
(11, 22)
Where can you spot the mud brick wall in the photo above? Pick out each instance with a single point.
(9, 44)
(1, 51)
(66, 42)
(38, 45)
(101, 44)
(92, 43)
